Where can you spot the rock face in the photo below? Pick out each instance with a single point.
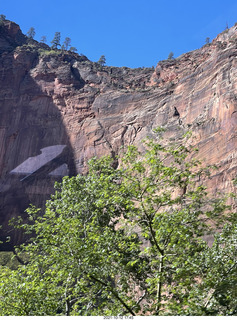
(58, 109)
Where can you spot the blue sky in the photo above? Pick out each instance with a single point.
(131, 33)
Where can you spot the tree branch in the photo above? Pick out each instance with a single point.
(159, 286)
(114, 293)
(18, 258)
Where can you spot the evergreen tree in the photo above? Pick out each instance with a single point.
(31, 33)
(56, 40)
(43, 39)
(2, 18)
(102, 60)
(171, 55)
(67, 43)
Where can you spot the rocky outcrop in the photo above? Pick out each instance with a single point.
(58, 109)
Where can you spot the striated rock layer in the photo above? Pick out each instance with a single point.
(58, 109)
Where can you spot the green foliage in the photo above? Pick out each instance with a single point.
(56, 40)
(31, 33)
(8, 259)
(128, 241)
(102, 61)
(45, 52)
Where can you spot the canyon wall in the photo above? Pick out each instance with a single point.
(58, 109)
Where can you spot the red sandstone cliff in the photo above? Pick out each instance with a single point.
(57, 110)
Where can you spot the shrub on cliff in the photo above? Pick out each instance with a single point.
(73, 49)
(128, 241)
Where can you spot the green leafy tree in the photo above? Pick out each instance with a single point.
(128, 241)
(102, 60)
(56, 40)
(31, 33)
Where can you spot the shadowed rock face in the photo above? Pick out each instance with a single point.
(58, 110)
(34, 146)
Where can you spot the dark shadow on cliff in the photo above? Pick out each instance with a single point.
(35, 150)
